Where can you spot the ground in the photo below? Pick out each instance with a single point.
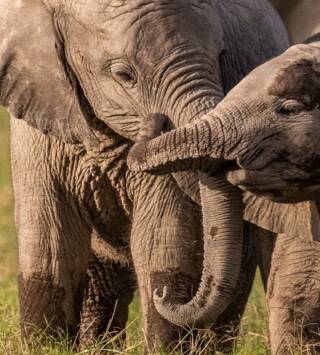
(252, 340)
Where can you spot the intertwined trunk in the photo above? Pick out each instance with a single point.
(222, 224)
(222, 219)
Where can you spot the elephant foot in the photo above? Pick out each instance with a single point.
(294, 297)
(292, 331)
(108, 293)
(44, 308)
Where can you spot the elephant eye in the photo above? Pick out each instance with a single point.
(124, 74)
(290, 107)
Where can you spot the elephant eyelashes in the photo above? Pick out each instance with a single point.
(290, 107)
(124, 74)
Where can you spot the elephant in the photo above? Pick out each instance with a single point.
(301, 17)
(267, 132)
(78, 79)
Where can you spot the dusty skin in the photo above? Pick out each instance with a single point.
(271, 132)
(78, 78)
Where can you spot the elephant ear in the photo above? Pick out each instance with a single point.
(35, 84)
(300, 220)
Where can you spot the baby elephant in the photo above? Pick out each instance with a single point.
(268, 130)
(269, 125)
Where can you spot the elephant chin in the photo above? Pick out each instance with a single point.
(263, 183)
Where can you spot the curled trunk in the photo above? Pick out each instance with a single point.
(223, 235)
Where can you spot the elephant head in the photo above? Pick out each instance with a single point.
(267, 128)
(69, 68)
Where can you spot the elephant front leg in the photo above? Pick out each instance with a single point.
(54, 240)
(53, 257)
(166, 247)
(294, 297)
(52, 265)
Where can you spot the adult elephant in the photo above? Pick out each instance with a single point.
(81, 75)
(271, 132)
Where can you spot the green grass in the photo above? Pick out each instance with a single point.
(252, 339)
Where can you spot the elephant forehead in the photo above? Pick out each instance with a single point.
(132, 25)
(292, 74)
(296, 72)
(118, 7)
(109, 15)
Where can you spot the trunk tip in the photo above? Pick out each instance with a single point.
(136, 159)
(157, 299)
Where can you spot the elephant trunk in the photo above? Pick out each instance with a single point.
(223, 231)
(190, 147)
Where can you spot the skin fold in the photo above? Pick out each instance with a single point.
(271, 133)
(79, 79)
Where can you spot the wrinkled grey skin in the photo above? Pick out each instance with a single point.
(301, 17)
(82, 75)
(286, 291)
(271, 131)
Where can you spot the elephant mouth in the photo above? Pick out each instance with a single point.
(279, 172)
(269, 183)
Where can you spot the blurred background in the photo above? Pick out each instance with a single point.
(253, 334)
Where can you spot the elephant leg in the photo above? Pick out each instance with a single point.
(294, 296)
(109, 290)
(54, 241)
(167, 250)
